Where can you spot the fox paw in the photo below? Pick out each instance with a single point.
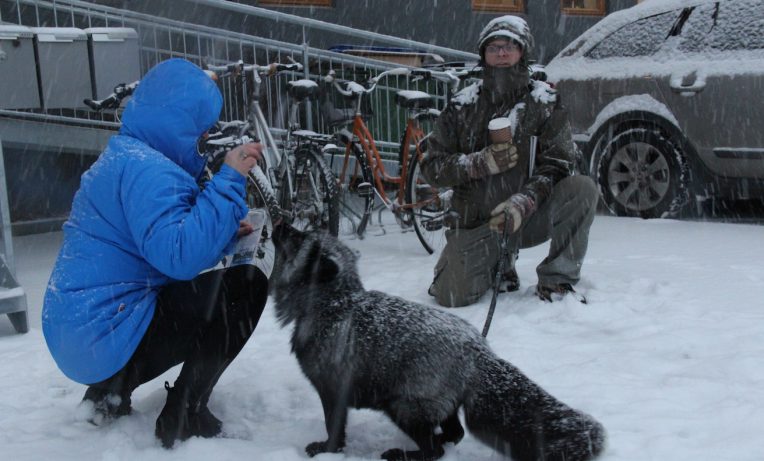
(394, 454)
(317, 448)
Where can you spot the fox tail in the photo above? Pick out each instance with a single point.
(515, 416)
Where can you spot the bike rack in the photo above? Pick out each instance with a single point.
(82, 131)
(13, 299)
(161, 38)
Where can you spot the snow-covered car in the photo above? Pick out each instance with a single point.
(666, 101)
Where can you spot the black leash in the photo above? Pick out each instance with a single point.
(503, 254)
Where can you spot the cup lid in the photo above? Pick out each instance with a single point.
(499, 123)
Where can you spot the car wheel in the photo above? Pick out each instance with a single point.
(640, 174)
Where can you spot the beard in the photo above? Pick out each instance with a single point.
(505, 83)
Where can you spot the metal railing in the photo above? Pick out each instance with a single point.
(161, 38)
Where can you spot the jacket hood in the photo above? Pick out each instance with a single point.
(508, 27)
(175, 103)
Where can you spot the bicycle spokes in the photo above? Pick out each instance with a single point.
(313, 198)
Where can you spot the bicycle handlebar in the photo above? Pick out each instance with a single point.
(451, 76)
(217, 144)
(112, 101)
(215, 150)
(352, 88)
(239, 67)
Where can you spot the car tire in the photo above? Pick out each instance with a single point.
(640, 173)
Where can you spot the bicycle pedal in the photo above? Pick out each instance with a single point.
(365, 189)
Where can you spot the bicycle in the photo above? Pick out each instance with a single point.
(414, 202)
(303, 185)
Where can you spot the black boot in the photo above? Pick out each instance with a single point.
(181, 419)
(107, 405)
(513, 281)
(557, 292)
(202, 423)
(172, 423)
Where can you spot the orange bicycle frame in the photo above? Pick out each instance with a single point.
(365, 139)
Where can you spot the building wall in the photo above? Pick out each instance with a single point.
(448, 23)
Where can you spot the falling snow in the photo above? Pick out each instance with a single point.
(666, 355)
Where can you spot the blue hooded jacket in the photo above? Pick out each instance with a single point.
(138, 222)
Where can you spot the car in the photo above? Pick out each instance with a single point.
(665, 103)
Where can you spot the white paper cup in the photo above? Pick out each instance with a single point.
(500, 130)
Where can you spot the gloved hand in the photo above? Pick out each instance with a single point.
(512, 212)
(492, 159)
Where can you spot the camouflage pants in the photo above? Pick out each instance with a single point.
(467, 266)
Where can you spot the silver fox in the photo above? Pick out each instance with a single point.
(419, 365)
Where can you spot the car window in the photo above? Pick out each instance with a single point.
(640, 38)
(725, 26)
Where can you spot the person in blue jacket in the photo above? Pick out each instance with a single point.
(126, 301)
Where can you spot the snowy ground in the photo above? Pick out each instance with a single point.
(667, 355)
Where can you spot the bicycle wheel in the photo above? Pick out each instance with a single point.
(356, 195)
(428, 207)
(260, 193)
(313, 201)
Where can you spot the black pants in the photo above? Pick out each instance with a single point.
(202, 323)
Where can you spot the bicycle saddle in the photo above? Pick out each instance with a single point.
(302, 89)
(310, 135)
(427, 114)
(410, 99)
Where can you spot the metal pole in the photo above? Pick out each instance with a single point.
(532, 159)
(5, 214)
(306, 71)
(314, 23)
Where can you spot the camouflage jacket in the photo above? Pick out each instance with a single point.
(462, 128)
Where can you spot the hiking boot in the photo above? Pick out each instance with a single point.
(551, 293)
(513, 281)
(203, 423)
(172, 423)
(107, 406)
(178, 421)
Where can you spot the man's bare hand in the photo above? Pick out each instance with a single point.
(244, 157)
(245, 228)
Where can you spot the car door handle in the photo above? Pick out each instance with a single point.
(696, 87)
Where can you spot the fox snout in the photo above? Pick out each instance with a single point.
(287, 239)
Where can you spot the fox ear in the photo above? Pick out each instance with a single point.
(321, 267)
(327, 269)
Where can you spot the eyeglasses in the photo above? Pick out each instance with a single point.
(508, 48)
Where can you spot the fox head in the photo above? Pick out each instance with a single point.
(314, 265)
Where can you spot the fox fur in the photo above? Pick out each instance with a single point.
(417, 364)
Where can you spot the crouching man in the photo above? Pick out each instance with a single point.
(492, 182)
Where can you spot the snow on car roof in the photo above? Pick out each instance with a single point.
(620, 18)
(574, 63)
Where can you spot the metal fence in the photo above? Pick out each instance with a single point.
(161, 38)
